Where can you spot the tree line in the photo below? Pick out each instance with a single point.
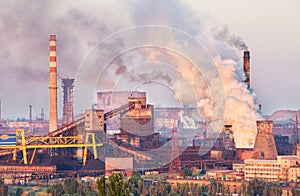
(117, 185)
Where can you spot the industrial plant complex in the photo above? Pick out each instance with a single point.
(124, 132)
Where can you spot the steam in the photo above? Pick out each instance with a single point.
(188, 123)
(241, 109)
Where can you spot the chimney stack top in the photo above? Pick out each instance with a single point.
(52, 37)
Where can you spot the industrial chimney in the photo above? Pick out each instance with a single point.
(247, 67)
(30, 114)
(53, 85)
(68, 85)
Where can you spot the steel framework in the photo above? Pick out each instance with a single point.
(52, 143)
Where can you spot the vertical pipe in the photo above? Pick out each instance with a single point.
(30, 114)
(53, 85)
(247, 67)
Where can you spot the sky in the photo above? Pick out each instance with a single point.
(269, 28)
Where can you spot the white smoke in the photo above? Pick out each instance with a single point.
(188, 122)
(241, 109)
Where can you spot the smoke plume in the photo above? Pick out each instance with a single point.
(79, 25)
(224, 35)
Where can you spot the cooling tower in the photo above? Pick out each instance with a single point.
(265, 143)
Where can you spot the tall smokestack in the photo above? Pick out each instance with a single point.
(247, 67)
(68, 85)
(53, 85)
(30, 114)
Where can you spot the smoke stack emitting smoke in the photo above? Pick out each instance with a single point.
(241, 108)
(247, 67)
(53, 85)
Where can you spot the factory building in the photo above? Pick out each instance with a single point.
(137, 125)
(268, 170)
(110, 100)
(283, 168)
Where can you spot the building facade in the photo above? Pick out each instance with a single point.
(284, 168)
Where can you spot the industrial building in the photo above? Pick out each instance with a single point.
(117, 134)
(284, 168)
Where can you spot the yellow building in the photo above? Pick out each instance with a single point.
(294, 174)
(268, 170)
(284, 168)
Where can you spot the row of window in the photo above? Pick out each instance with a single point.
(263, 169)
(265, 179)
(261, 165)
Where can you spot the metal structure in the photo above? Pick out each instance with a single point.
(53, 85)
(68, 137)
(68, 115)
(52, 142)
(175, 164)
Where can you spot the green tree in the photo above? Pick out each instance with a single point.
(86, 189)
(101, 186)
(117, 185)
(3, 188)
(168, 188)
(213, 187)
(56, 190)
(140, 187)
(243, 190)
(135, 177)
(256, 187)
(71, 186)
(19, 191)
(199, 191)
(187, 172)
(136, 183)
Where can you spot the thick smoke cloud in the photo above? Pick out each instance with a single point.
(25, 29)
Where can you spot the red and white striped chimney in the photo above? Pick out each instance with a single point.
(53, 85)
